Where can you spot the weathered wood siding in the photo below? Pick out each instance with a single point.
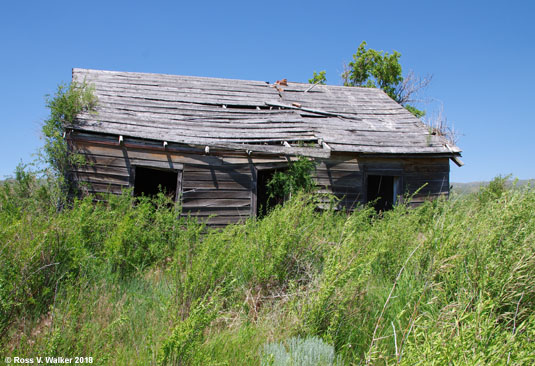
(429, 177)
(216, 189)
(224, 191)
(344, 175)
(220, 188)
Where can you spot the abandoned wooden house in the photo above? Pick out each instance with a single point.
(214, 143)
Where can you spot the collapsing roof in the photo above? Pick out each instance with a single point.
(293, 119)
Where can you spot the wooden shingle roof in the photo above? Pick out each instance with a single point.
(254, 115)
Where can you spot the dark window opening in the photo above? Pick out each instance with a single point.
(150, 181)
(265, 201)
(383, 191)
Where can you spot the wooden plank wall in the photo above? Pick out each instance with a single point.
(109, 164)
(344, 175)
(430, 177)
(216, 189)
(225, 191)
(221, 189)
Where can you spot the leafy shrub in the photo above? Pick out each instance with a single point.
(264, 255)
(182, 346)
(475, 337)
(43, 248)
(67, 102)
(494, 190)
(296, 178)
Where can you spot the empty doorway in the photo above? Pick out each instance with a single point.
(383, 190)
(266, 199)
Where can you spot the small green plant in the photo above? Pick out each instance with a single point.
(310, 351)
(415, 111)
(318, 78)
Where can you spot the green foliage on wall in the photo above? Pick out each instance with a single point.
(298, 177)
(64, 105)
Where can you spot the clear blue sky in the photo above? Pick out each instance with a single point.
(481, 55)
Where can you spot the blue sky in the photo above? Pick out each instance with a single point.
(481, 55)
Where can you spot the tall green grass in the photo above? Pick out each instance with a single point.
(126, 282)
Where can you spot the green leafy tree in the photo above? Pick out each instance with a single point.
(378, 69)
(375, 69)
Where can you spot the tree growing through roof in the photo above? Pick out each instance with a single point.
(378, 69)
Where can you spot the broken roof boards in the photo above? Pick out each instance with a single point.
(230, 113)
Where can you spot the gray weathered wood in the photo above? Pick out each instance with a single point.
(188, 110)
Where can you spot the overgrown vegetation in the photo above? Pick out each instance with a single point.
(318, 78)
(68, 101)
(448, 282)
(298, 177)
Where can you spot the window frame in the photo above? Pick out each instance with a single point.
(178, 171)
(398, 182)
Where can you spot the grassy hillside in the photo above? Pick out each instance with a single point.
(473, 187)
(451, 282)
